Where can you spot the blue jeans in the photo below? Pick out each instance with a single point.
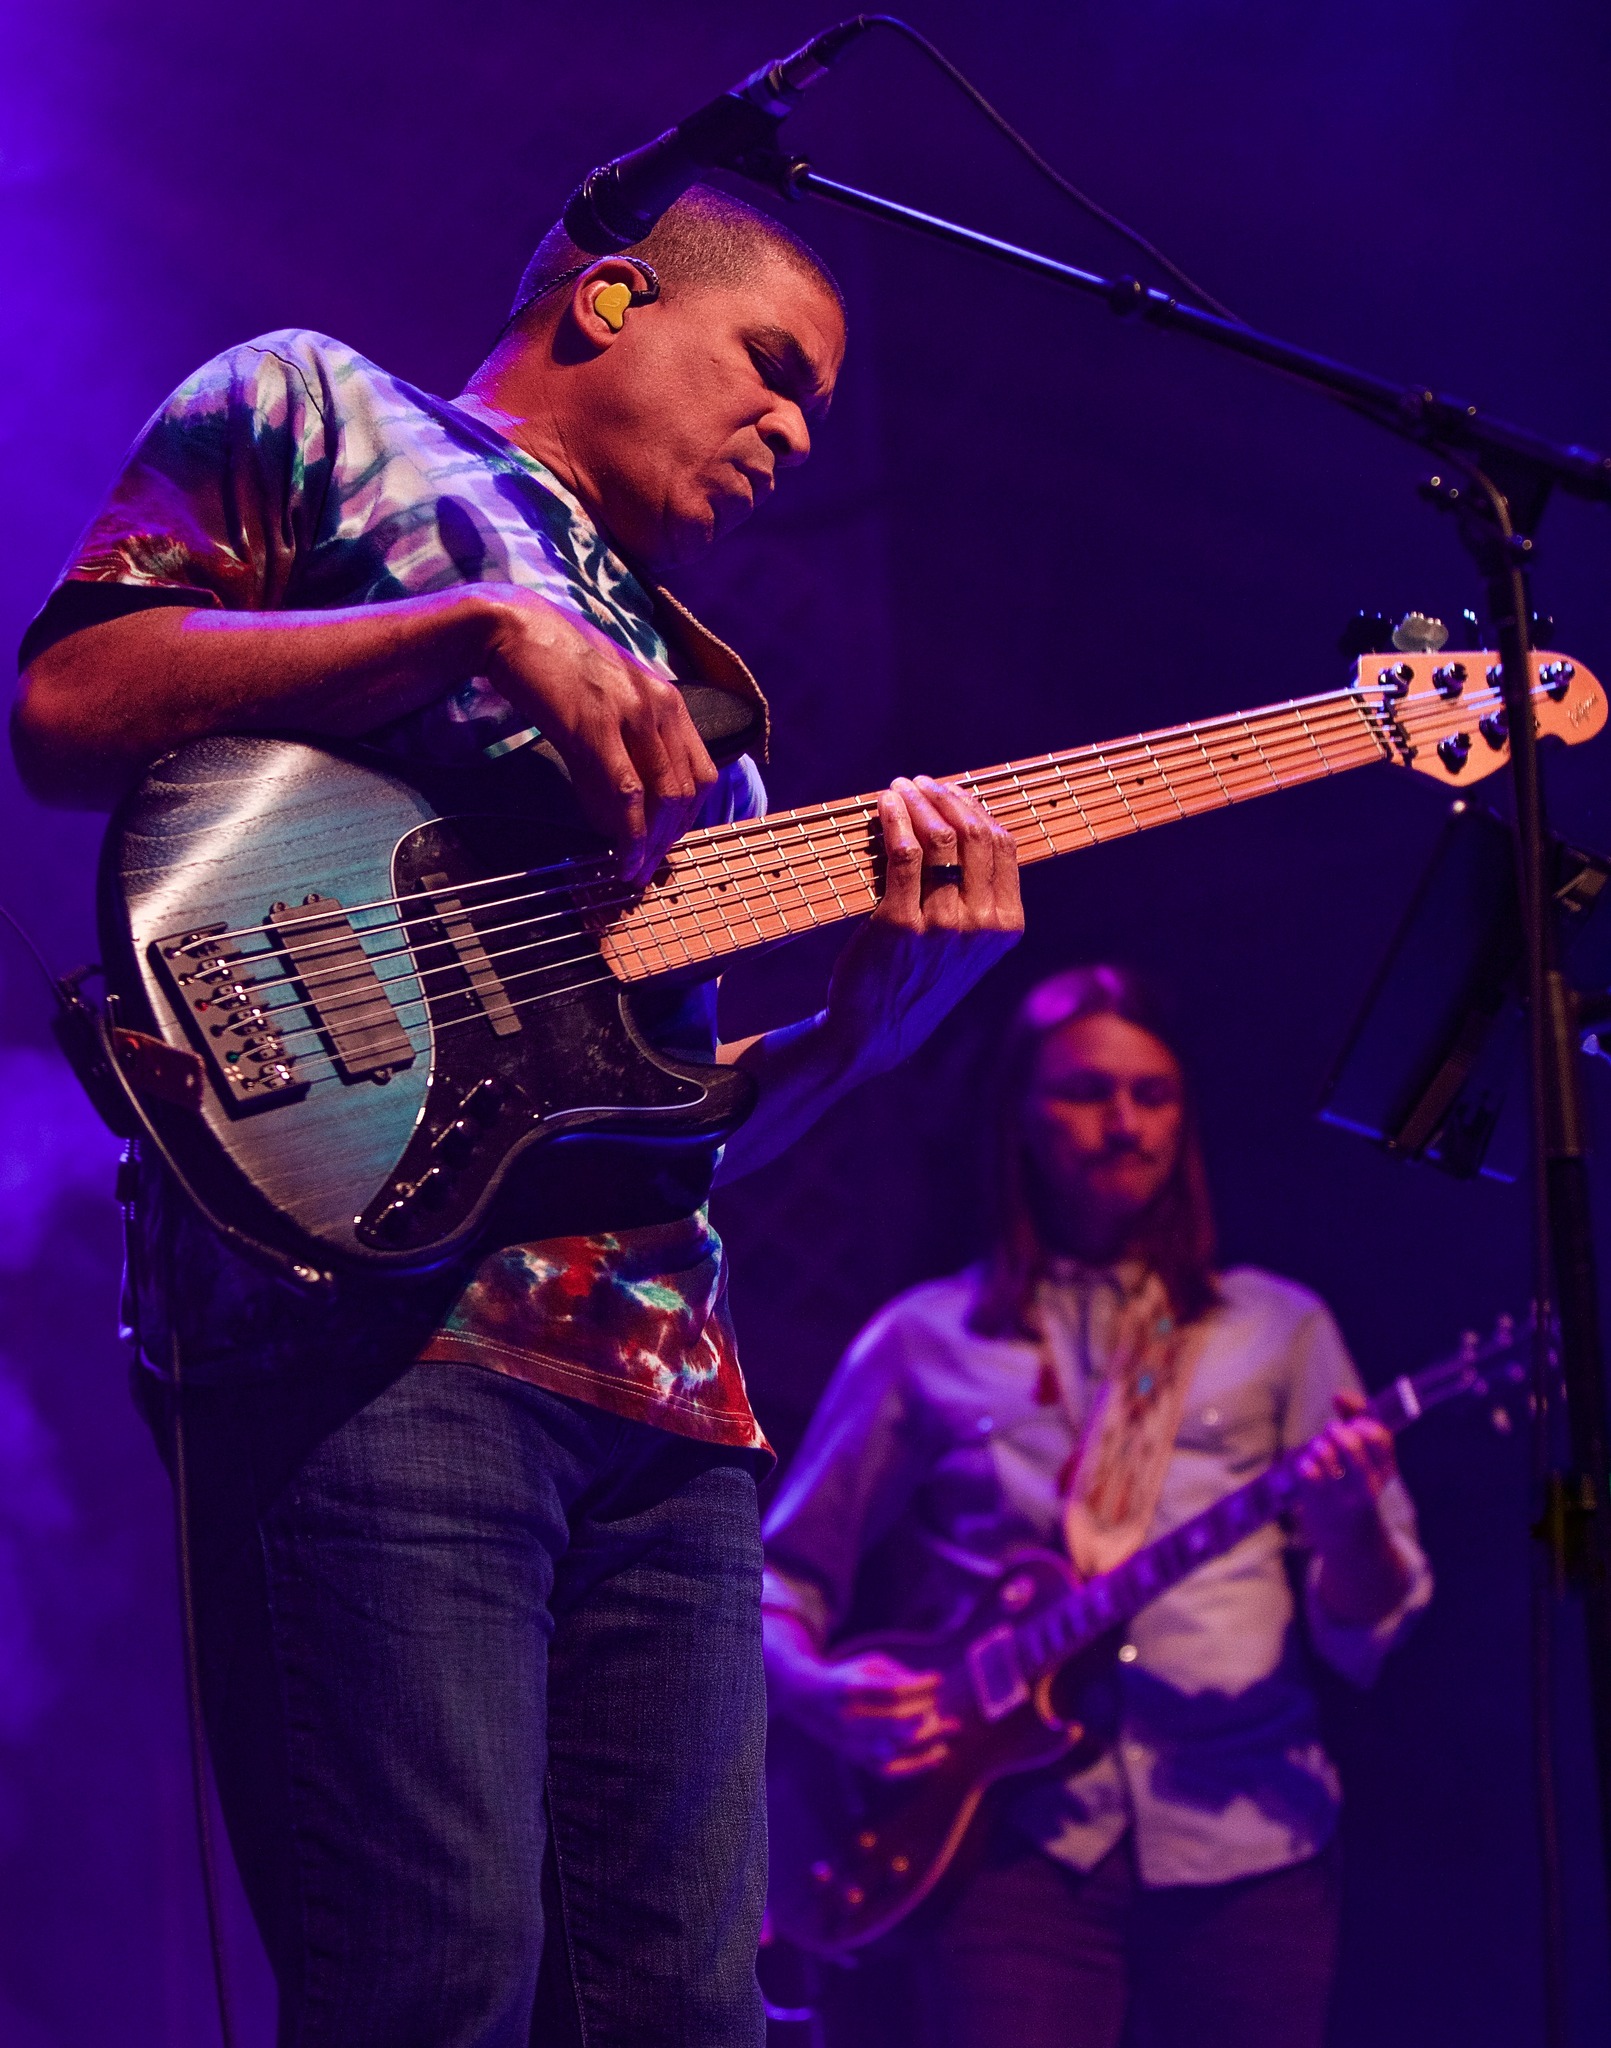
(483, 1686)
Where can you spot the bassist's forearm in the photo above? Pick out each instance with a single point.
(98, 705)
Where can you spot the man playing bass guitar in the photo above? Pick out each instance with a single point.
(476, 1555)
(1092, 1383)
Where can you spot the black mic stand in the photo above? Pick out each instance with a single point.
(1502, 478)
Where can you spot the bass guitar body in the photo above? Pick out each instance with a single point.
(852, 1851)
(382, 1028)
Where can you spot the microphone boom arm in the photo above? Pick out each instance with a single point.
(1417, 414)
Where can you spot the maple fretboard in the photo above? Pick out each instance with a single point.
(731, 887)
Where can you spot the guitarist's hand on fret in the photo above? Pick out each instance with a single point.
(926, 945)
(639, 768)
(916, 957)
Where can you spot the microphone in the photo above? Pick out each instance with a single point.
(617, 204)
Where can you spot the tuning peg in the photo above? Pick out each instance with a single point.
(1366, 633)
(1470, 629)
(1416, 633)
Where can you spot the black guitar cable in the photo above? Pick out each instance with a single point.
(75, 1032)
(199, 1787)
(38, 958)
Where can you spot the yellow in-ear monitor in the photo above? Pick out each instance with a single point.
(610, 302)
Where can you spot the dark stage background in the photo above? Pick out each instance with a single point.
(1026, 525)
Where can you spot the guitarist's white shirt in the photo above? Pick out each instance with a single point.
(935, 1452)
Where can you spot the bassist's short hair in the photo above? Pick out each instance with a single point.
(704, 238)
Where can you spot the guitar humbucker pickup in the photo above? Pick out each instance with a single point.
(485, 984)
(242, 1008)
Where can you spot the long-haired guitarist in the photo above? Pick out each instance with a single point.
(477, 1560)
(1093, 1382)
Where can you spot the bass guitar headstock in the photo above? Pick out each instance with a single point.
(1445, 715)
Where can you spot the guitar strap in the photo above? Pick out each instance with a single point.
(1122, 1368)
(724, 700)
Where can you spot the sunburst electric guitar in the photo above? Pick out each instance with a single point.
(368, 1015)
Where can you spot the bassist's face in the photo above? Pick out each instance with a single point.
(1103, 1122)
(683, 421)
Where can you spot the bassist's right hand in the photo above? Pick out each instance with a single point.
(872, 1709)
(639, 767)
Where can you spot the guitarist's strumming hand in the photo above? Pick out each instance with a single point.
(100, 704)
(1342, 1474)
(871, 1709)
(639, 767)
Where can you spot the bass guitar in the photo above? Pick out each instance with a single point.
(1026, 1681)
(357, 1008)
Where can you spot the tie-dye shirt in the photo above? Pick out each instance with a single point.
(289, 473)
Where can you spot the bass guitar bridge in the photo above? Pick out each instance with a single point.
(214, 989)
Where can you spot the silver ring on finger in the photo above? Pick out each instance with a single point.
(941, 875)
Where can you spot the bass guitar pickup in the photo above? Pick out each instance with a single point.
(227, 998)
(472, 955)
(340, 990)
